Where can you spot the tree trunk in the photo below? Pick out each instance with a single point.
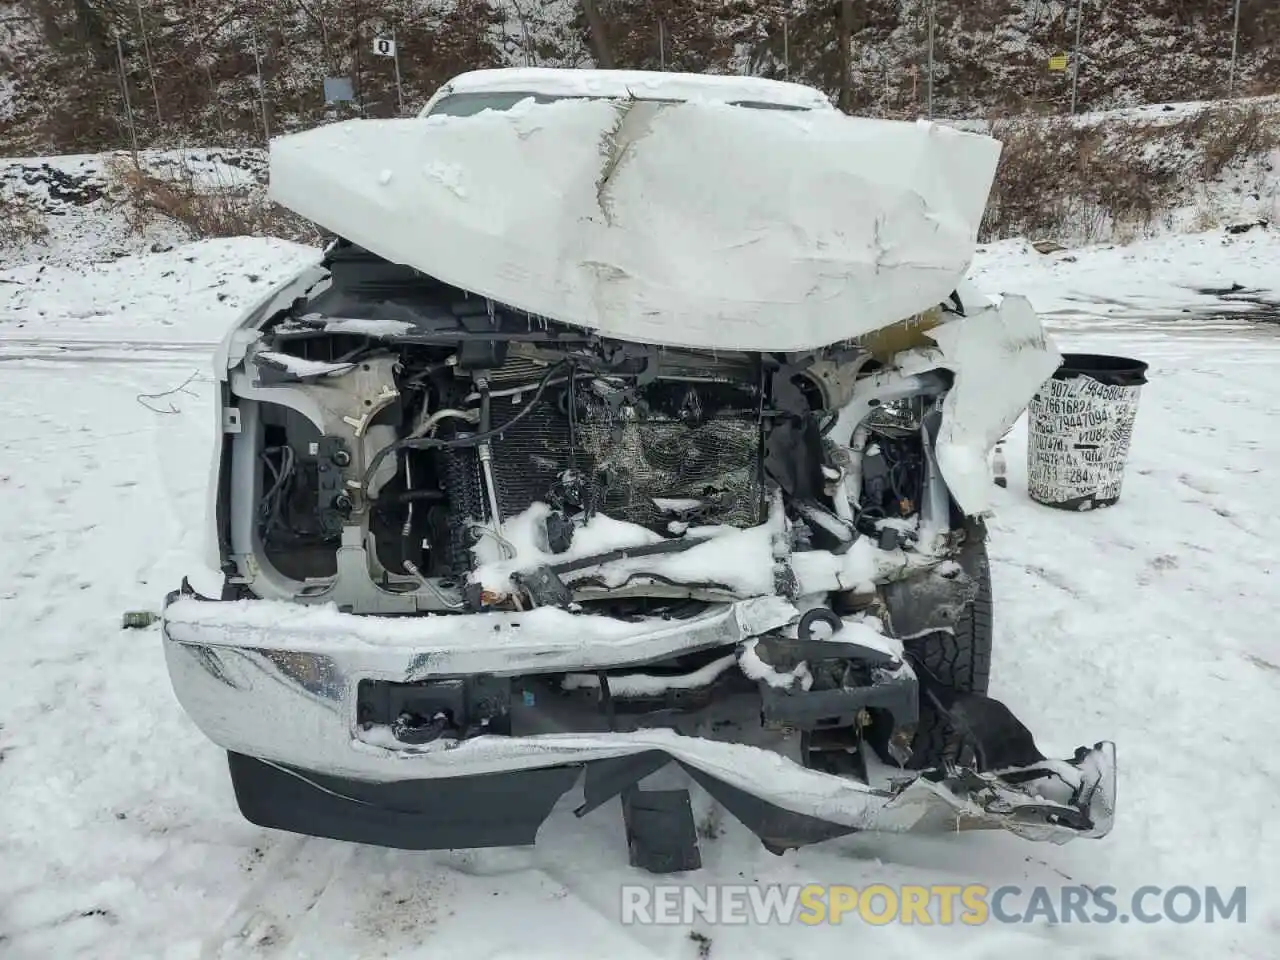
(846, 55)
(599, 37)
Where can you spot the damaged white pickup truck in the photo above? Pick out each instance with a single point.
(634, 421)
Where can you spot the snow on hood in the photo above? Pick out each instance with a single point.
(638, 84)
(689, 224)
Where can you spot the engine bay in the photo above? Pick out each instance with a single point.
(396, 434)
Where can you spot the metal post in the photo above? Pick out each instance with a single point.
(662, 46)
(1235, 46)
(262, 87)
(395, 54)
(128, 105)
(1075, 57)
(931, 2)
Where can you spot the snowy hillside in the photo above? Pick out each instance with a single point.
(1108, 176)
(69, 209)
(192, 70)
(1127, 174)
(1149, 623)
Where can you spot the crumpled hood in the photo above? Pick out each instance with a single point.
(692, 224)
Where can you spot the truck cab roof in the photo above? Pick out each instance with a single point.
(501, 89)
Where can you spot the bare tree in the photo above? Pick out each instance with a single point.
(599, 36)
(321, 21)
(845, 34)
(151, 67)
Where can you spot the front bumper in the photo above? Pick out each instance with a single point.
(276, 685)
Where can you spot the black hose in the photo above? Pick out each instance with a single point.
(573, 419)
(471, 440)
(628, 553)
(486, 409)
(426, 372)
(606, 701)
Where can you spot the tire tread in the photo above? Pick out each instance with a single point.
(961, 660)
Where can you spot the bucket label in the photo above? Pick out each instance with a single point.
(1078, 440)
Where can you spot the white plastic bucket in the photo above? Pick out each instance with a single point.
(1081, 422)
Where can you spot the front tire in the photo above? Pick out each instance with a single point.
(960, 660)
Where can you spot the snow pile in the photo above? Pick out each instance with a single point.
(523, 545)
(741, 560)
(752, 666)
(857, 570)
(626, 217)
(724, 557)
(300, 366)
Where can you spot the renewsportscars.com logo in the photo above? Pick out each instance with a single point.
(937, 904)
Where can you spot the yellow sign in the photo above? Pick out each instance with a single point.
(1059, 62)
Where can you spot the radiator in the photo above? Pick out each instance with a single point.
(675, 441)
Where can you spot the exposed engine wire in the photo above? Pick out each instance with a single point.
(430, 423)
(473, 440)
(450, 603)
(506, 546)
(273, 499)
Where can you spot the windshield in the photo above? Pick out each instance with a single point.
(469, 104)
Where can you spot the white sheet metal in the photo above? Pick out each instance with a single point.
(1001, 355)
(688, 224)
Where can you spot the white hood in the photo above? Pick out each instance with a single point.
(687, 224)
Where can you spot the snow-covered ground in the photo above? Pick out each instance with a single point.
(1196, 284)
(181, 299)
(1151, 623)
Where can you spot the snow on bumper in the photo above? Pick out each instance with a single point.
(279, 683)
